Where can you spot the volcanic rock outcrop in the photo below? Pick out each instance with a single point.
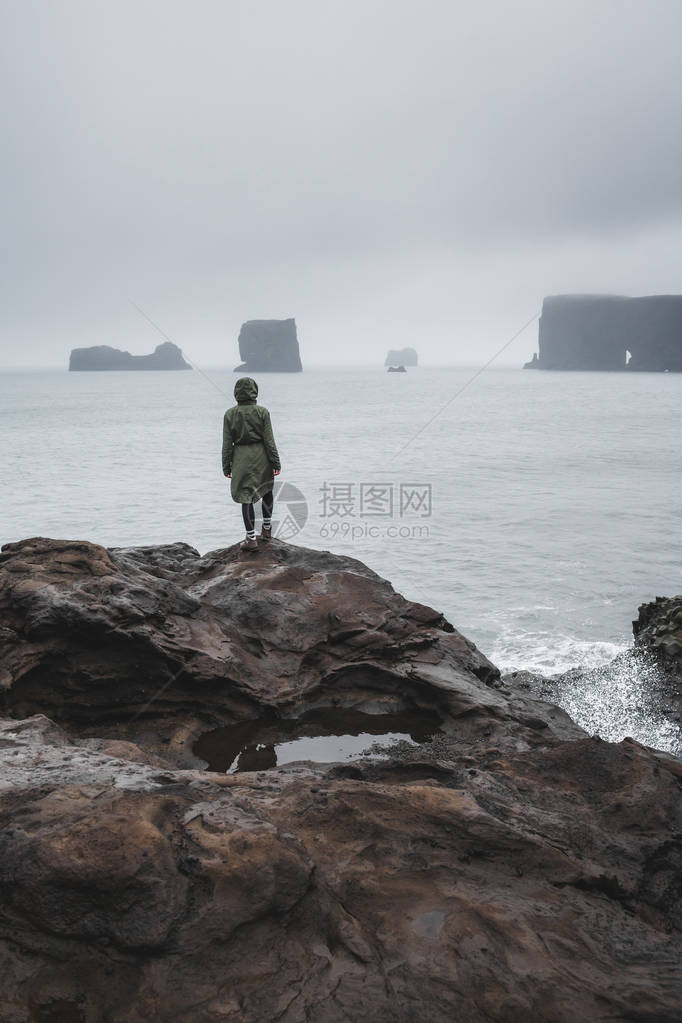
(103, 357)
(658, 634)
(269, 346)
(401, 357)
(510, 868)
(610, 332)
(658, 629)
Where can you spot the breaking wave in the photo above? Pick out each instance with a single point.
(621, 699)
(608, 689)
(551, 654)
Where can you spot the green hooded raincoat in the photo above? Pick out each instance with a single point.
(249, 449)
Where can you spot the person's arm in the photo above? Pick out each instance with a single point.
(228, 446)
(269, 442)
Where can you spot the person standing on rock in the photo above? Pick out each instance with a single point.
(250, 458)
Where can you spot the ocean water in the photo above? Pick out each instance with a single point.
(536, 510)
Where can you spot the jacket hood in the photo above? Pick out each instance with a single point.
(245, 390)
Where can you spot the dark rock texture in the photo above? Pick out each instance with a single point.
(658, 634)
(658, 629)
(609, 332)
(510, 869)
(269, 346)
(102, 357)
(401, 357)
(91, 634)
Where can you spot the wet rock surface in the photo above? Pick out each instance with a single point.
(507, 868)
(158, 644)
(658, 630)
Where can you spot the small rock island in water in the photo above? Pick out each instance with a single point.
(401, 357)
(269, 346)
(492, 863)
(103, 357)
(610, 332)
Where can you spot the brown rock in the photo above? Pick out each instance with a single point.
(147, 640)
(511, 869)
(540, 885)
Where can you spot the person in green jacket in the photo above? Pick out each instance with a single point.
(250, 458)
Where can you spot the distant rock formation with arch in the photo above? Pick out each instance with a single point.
(610, 332)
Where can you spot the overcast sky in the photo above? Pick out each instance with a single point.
(388, 172)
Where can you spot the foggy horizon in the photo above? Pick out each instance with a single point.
(386, 175)
(353, 693)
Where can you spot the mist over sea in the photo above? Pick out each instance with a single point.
(537, 510)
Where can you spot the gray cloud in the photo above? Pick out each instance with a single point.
(379, 167)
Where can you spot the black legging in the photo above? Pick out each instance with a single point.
(249, 515)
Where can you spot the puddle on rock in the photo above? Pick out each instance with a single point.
(324, 736)
(429, 925)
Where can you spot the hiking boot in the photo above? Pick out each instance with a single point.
(249, 545)
(266, 533)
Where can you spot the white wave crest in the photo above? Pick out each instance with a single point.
(551, 654)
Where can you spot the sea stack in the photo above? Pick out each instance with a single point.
(401, 357)
(610, 332)
(269, 346)
(103, 357)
